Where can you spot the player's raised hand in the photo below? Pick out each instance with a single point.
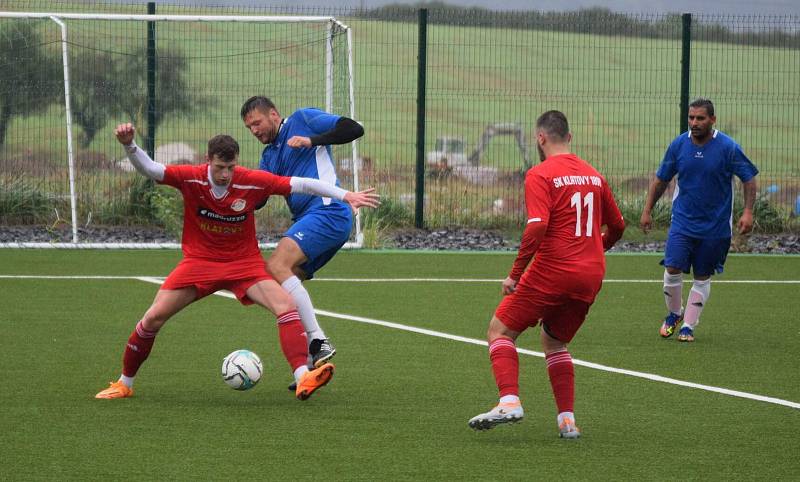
(298, 141)
(125, 133)
(367, 198)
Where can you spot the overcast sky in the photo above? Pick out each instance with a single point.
(716, 7)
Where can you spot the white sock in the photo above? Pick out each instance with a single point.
(128, 381)
(298, 374)
(673, 291)
(509, 399)
(308, 318)
(698, 296)
(563, 415)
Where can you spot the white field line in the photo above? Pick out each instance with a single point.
(7, 276)
(408, 280)
(488, 280)
(439, 334)
(596, 366)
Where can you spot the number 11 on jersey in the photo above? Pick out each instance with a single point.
(588, 201)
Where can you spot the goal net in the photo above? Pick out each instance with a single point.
(67, 79)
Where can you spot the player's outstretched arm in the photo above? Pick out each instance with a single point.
(305, 185)
(140, 160)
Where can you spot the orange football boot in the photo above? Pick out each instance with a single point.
(313, 381)
(116, 390)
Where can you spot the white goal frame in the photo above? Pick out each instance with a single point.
(329, 84)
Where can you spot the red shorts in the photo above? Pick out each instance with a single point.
(560, 315)
(208, 277)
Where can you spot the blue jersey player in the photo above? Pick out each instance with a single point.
(705, 161)
(299, 145)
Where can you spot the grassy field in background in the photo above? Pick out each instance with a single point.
(475, 77)
(398, 405)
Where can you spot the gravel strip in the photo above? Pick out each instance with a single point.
(477, 240)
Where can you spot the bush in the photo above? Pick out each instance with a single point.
(632, 211)
(376, 223)
(21, 200)
(768, 217)
(160, 205)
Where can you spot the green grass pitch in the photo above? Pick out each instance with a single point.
(399, 402)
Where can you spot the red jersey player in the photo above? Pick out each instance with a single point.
(567, 202)
(220, 251)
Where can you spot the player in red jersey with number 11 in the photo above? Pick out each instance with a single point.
(567, 202)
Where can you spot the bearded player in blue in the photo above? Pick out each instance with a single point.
(299, 145)
(705, 161)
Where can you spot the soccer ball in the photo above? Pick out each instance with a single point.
(241, 369)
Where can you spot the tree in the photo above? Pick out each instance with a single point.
(107, 84)
(173, 94)
(93, 93)
(30, 78)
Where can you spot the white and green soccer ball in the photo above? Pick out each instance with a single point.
(241, 369)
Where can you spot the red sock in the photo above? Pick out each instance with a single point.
(505, 365)
(293, 339)
(562, 379)
(137, 350)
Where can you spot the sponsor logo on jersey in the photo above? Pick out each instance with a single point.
(299, 235)
(209, 214)
(238, 205)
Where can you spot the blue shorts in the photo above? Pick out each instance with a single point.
(320, 233)
(703, 256)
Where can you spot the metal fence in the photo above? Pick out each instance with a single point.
(622, 80)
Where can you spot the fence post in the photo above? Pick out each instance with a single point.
(150, 145)
(419, 206)
(686, 48)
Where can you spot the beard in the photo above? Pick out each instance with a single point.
(542, 157)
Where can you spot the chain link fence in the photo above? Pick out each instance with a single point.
(487, 77)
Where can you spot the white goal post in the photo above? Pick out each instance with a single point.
(331, 88)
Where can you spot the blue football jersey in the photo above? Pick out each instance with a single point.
(702, 204)
(315, 162)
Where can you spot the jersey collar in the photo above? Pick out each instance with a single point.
(278, 134)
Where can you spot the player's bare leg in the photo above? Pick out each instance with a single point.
(165, 305)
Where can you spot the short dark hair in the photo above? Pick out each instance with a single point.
(257, 102)
(224, 147)
(554, 124)
(704, 103)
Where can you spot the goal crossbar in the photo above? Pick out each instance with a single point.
(175, 18)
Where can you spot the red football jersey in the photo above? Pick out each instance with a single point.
(222, 229)
(574, 201)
